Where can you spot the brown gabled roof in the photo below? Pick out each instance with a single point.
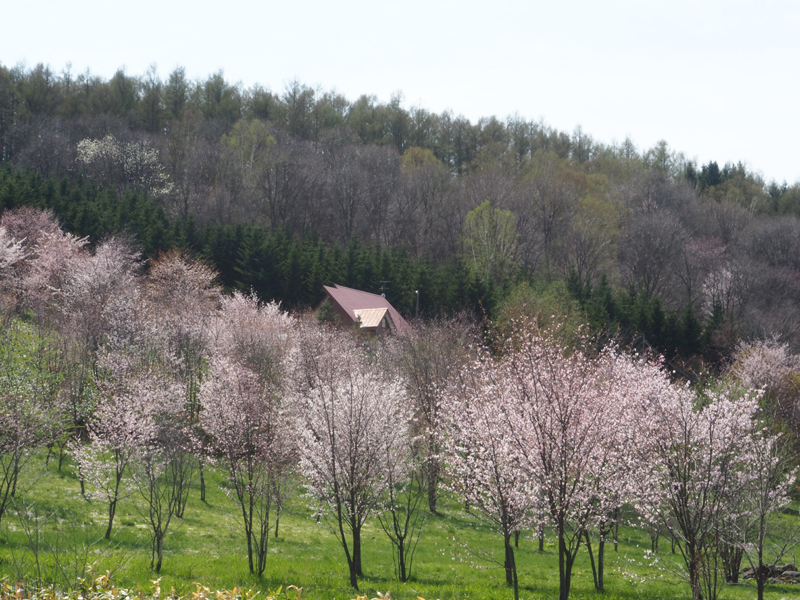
(351, 300)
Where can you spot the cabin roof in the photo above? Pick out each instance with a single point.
(371, 308)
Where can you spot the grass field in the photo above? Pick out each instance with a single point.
(207, 547)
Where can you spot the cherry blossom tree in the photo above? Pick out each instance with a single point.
(481, 460)
(97, 311)
(401, 515)
(11, 251)
(163, 468)
(120, 424)
(623, 378)
(352, 416)
(48, 269)
(250, 435)
(29, 224)
(567, 421)
(99, 296)
(134, 163)
(765, 492)
(180, 301)
(161, 465)
(21, 230)
(245, 418)
(699, 456)
(771, 366)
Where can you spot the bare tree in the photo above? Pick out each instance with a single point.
(649, 251)
(550, 200)
(381, 167)
(344, 187)
(288, 178)
(415, 213)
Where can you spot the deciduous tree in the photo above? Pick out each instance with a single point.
(245, 415)
(569, 424)
(700, 456)
(352, 417)
(481, 460)
(29, 380)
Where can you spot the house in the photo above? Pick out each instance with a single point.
(372, 312)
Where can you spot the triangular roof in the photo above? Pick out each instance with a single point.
(350, 301)
(372, 317)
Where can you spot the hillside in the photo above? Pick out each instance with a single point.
(286, 191)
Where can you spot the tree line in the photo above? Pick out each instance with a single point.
(275, 265)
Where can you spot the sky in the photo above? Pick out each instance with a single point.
(718, 80)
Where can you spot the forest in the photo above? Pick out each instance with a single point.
(605, 356)
(284, 191)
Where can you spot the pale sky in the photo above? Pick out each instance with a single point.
(718, 80)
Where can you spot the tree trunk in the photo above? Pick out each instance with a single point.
(263, 548)
(112, 509)
(694, 573)
(591, 560)
(15, 476)
(343, 538)
(761, 572)
(278, 504)
(509, 559)
(510, 566)
(401, 560)
(112, 506)
(433, 483)
(202, 483)
(250, 561)
(731, 561)
(159, 552)
(564, 566)
(601, 552)
(516, 538)
(357, 551)
(760, 581)
(654, 541)
(248, 530)
(353, 575)
(541, 539)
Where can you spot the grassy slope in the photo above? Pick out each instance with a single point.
(207, 547)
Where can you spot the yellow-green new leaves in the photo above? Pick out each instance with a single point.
(490, 242)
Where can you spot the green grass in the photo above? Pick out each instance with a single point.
(207, 547)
